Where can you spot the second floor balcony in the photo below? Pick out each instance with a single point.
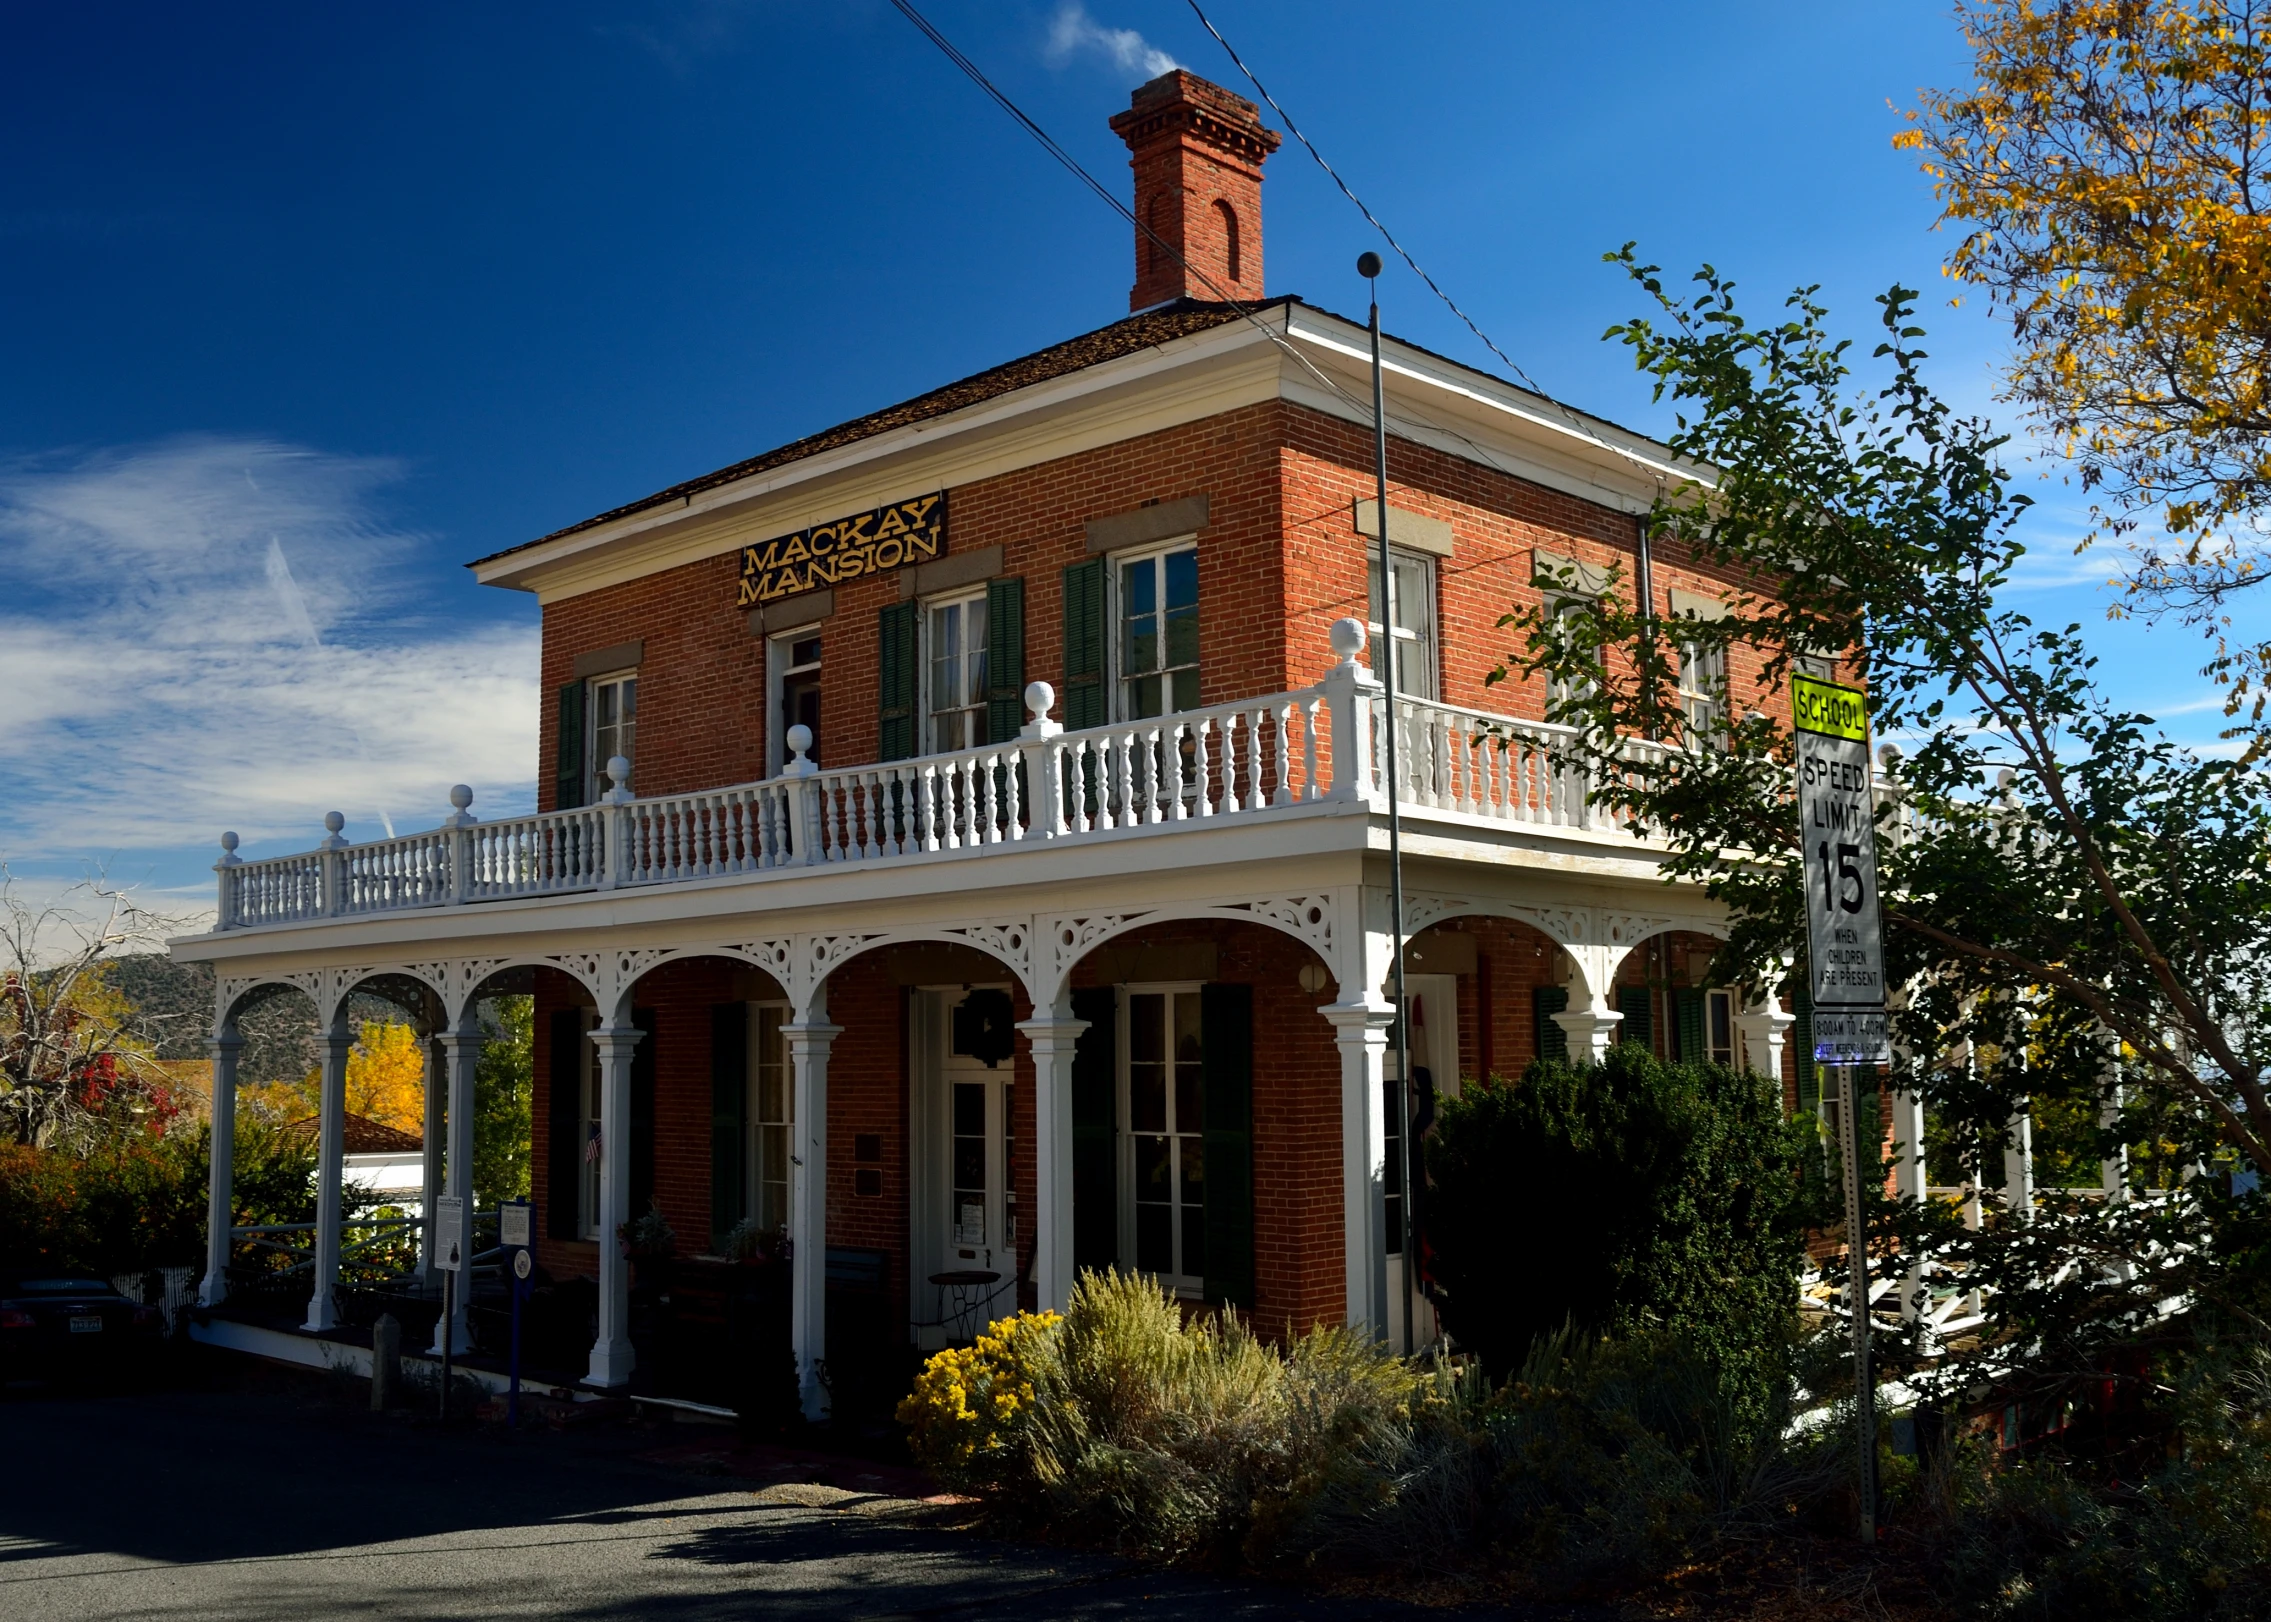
(1321, 749)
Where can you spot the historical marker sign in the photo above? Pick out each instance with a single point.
(515, 1223)
(892, 537)
(449, 1233)
(1844, 930)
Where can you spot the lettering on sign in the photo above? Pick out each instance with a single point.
(844, 549)
(1837, 820)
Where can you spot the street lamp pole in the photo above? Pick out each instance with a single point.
(1368, 266)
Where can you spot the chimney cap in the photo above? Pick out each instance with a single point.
(1180, 102)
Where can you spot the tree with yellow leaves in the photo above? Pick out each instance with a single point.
(2112, 171)
(386, 1082)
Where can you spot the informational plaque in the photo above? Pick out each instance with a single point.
(449, 1233)
(1837, 819)
(515, 1224)
(912, 531)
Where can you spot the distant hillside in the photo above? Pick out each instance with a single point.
(173, 1010)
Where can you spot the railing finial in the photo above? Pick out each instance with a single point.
(1348, 639)
(229, 856)
(459, 817)
(799, 740)
(619, 780)
(1039, 697)
(333, 839)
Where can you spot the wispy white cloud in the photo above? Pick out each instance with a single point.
(1074, 33)
(209, 633)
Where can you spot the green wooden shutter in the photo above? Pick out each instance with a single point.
(563, 1184)
(1638, 1005)
(1802, 1044)
(898, 686)
(1005, 659)
(729, 1111)
(1083, 700)
(568, 758)
(642, 1117)
(1547, 1001)
(1687, 1003)
(1095, 1161)
(1226, 1052)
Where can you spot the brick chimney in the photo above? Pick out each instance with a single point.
(1197, 152)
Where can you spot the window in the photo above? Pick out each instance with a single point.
(1159, 634)
(614, 710)
(1415, 618)
(772, 1111)
(1163, 1100)
(956, 698)
(1703, 692)
(1568, 614)
(1719, 1026)
(795, 662)
(1819, 666)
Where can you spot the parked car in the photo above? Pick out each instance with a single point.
(60, 1326)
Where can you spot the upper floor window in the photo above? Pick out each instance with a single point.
(613, 706)
(1703, 692)
(955, 700)
(1415, 619)
(1159, 633)
(793, 665)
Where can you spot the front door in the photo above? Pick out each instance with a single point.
(966, 1217)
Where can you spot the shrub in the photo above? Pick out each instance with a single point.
(1675, 1194)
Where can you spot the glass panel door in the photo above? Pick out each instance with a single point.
(1166, 1116)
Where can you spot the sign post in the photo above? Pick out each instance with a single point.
(449, 1255)
(516, 1229)
(1846, 975)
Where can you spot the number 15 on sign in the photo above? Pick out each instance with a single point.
(1837, 820)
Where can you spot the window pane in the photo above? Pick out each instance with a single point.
(1186, 690)
(1183, 636)
(1146, 1027)
(1191, 1152)
(1155, 1238)
(1139, 588)
(1194, 1241)
(1147, 1097)
(1182, 579)
(1152, 1184)
(969, 1109)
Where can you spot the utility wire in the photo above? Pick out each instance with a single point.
(1361, 408)
(1402, 253)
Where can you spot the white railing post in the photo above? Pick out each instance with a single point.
(615, 824)
(460, 845)
(1349, 691)
(1044, 777)
(805, 831)
(332, 856)
(225, 878)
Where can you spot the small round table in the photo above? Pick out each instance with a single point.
(964, 1294)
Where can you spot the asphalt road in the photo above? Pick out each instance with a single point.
(284, 1499)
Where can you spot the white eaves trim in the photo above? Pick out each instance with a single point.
(1459, 412)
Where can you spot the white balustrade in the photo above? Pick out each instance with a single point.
(1239, 760)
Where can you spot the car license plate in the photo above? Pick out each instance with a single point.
(89, 1324)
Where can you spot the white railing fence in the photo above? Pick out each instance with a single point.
(1230, 760)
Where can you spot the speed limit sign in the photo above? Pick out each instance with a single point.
(1837, 822)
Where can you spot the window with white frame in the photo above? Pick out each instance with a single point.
(1159, 633)
(1703, 691)
(954, 699)
(1415, 618)
(1163, 1120)
(772, 1112)
(1719, 1026)
(1568, 615)
(612, 703)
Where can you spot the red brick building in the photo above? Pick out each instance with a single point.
(962, 844)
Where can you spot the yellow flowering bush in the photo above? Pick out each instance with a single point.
(970, 1403)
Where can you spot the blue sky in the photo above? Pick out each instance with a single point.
(306, 306)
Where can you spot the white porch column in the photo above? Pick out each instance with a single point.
(1765, 1029)
(430, 1181)
(221, 1204)
(2018, 1169)
(1590, 1029)
(1052, 1041)
(611, 1354)
(1908, 1183)
(330, 1156)
(462, 1048)
(1361, 1031)
(809, 1040)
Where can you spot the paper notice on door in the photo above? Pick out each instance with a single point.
(970, 1223)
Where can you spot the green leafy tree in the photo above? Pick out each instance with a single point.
(2081, 911)
(504, 1091)
(1694, 1196)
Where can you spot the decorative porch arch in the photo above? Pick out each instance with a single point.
(1068, 938)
